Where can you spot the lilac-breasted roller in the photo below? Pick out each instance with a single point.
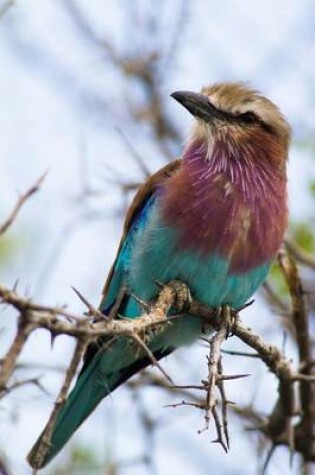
(213, 219)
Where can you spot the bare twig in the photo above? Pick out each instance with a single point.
(9, 361)
(97, 315)
(20, 202)
(4, 465)
(146, 172)
(214, 376)
(306, 426)
(28, 365)
(214, 380)
(24, 382)
(299, 254)
(5, 7)
(274, 299)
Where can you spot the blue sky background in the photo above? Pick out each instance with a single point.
(61, 103)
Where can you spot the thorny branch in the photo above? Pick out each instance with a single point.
(305, 427)
(214, 380)
(24, 327)
(60, 322)
(9, 361)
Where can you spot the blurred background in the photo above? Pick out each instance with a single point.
(85, 95)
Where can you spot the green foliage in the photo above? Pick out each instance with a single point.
(8, 245)
(303, 234)
(277, 280)
(81, 460)
(312, 188)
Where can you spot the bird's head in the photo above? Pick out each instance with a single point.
(238, 117)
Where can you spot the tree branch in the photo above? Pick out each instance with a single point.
(20, 202)
(58, 321)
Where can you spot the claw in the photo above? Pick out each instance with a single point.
(183, 295)
(229, 316)
(226, 314)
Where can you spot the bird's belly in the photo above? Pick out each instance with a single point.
(157, 255)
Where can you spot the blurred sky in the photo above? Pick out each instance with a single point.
(61, 103)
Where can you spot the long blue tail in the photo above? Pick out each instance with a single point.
(103, 374)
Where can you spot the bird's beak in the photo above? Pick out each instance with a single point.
(198, 105)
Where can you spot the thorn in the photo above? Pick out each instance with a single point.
(15, 285)
(83, 299)
(242, 307)
(97, 314)
(141, 302)
(291, 458)
(152, 357)
(230, 403)
(223, 445)
(53, 337)
(240, 353)
(284, 342)
(228, 377)
(41, 179)
(42, 387)
(291, 442)
(117, 303)
(268, 458)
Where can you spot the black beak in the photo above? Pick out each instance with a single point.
(198, 105)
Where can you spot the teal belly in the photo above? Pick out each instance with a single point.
(156, 255)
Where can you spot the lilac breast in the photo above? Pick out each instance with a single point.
(231, 204)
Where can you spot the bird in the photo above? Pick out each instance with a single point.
(212, 219)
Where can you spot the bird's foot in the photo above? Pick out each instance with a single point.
(226, 315)
(182, 293)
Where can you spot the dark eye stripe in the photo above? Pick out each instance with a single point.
(251, 118)
(248, 117)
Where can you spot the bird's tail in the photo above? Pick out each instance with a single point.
(98, 380)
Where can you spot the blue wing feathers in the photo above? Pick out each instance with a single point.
(123, 259)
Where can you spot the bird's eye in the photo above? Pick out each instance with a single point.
(249, 117)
